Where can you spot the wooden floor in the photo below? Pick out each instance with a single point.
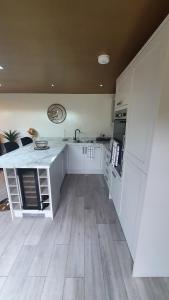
(81, 255)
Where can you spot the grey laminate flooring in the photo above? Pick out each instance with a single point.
(80, 255)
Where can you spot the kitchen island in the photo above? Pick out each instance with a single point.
(34, 178)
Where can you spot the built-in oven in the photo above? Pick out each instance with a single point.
(119, 139)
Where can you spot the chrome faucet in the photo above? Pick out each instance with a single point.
(75, 137)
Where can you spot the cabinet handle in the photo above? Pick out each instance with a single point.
(114, 175)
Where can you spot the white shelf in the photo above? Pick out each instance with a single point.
(10, 173)
(43, 181)
(12, 181)
(42, 173)
(16, 206)
(13, 190)
(15, 198)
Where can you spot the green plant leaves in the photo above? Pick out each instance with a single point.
(11, 135)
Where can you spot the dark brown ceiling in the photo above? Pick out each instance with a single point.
(42, 42)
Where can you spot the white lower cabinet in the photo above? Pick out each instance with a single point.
(85, 159)
(106, 166)
(94, 165)
(133, 183)
(75, 163)
(115, 189)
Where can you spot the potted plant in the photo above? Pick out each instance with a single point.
(11, 135)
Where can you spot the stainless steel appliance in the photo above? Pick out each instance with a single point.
(119, 139)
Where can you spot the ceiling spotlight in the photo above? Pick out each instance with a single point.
(103, 59)
(1, 68)
(0, 84)
(100, 84)
(52, 85)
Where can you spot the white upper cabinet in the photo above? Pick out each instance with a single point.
(123, 87)
(144, 101)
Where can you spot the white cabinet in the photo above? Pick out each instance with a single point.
(61, 168)
(143, 108)
(93, 165)
(75, 158)
(123, 87)
(133, 183)
(144, 201)
(115, 189)
(106, 166)
(80, 161)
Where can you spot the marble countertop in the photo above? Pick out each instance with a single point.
(27, 157)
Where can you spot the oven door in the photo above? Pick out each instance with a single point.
(119, 130)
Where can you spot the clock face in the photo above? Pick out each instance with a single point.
(56, 113)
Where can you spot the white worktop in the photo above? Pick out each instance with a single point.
(27, 157)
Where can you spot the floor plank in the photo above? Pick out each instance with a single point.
(113, 279)
(54, 283)
(2, 281)
(153, 288)
(126, 265)
(64, 219)
(11, 251)
(44, 251)
(75, 262)
(13, 285)
(36, 232)
(94, 281)
(32, 288)
(74, 289)
(8, 231)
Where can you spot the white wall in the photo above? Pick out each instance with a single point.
(90, 113)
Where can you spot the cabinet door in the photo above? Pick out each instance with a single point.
(115, 189)
(145, 99)
(94, 165)
(75, 159)
(123, 88)
(106, 166)
(133, 184)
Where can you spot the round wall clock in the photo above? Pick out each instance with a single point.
(56, 113)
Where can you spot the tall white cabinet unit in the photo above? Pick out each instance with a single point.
(144, 211)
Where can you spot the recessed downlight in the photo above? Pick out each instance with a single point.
(52, 85)
(100, 84)
(1, 67)
(0, 85)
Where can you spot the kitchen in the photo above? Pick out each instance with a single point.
(106, 201)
